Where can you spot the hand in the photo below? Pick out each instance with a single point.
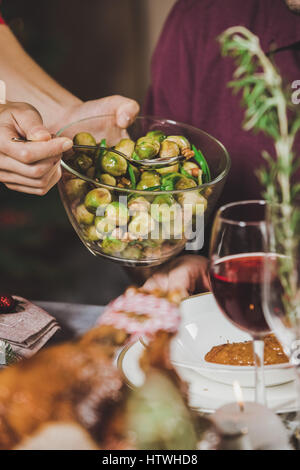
(187, 274)
(124, 110)
(32, 167)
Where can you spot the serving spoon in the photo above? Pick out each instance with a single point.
(146, 163)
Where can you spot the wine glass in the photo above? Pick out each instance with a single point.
(237, 254)
(281, 293)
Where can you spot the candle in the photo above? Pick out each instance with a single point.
(234, 436)
(263, 428)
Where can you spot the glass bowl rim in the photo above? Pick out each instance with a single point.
(218, 178)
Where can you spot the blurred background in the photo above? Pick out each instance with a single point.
(94, 49)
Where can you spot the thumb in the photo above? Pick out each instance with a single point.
(126, 112)
(30, 123)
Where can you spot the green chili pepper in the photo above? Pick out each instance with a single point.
(153, 188)
(187, 175)
(99, 154)
(132, 176)
(135, 156)
(199, 157)
(169, 180)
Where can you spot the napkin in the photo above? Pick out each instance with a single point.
(28, 328)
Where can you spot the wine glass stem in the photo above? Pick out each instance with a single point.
(260, 393)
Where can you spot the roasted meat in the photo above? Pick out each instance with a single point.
(77, 382)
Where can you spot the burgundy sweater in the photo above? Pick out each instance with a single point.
(189, 77)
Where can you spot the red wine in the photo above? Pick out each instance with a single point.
(237, 284)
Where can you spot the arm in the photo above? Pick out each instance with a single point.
(27, 82)
(44, 106)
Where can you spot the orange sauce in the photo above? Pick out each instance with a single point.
(241, 354)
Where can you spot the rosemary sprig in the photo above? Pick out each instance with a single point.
(268, 110)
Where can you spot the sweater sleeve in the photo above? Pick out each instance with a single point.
(1, 17)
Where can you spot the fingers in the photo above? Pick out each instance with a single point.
(126, 111)
(157, 281)
(32, 170)
(31, 167)
(22, 119)
(30, 122)
(31, 152)
(167, 283)
(186, 273)
(33, 186)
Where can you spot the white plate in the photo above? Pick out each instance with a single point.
(206, 395)
(203, 326)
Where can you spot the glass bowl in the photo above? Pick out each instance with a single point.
(132, 226)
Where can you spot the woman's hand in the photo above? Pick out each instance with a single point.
(124, 110)
(187, 273)
(32, 167)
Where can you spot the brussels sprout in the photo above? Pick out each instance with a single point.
(97, 197)
(168, 169)
(153, 252)
(91, 233)
(83, 216)
(117, 212)
(83, 162)
(173, 229)
(126, 146)
(156, 135)
(141, 186)
(164, 199)
(147, 148)
(113, 246)
(114, 164)
(105, 178)
(138, 204)
(193, 200)
(141, 224)
(91, 172)
(164, 208)
(176, 228)
(104, 226)
(185, 183)
(132, 252)
(152, 242)
(84, 138)
(180, 140)
(169, 149)
(150, 140)
(118, 233)
(148, 180)
(169, 180)
(76, 188)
